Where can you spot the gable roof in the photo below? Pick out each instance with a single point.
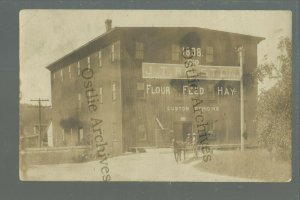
(113, 34)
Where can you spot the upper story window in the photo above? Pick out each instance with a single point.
(101, 95)
(209, 54)
(89, 62)
(177, 95)
(79, 101)
(89, 94)
(63, 134)
(62, 74)
(54, 75)
(93, 60)
(211, 92)
(113, 53)
(139, 50)
(177, 89)
(114, 131)
(114, 91)
(78, 68)
(100, 59)
(141, 90)
(70, 74)
(175, 52)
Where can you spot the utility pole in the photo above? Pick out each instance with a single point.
(40, 118)
(240, 52)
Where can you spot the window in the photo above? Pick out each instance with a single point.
(54, 75)
(114, 94)
(178, 89)
(113, 53)
(93, 60)
(62, 75)
(209, 54)
(178, 95)
(63, 134)
(211, 129)
(139, 50)
(89, 62)
(210, 92)
(78, 68)
(89, 94)
(100, 58)
(114, 131)
(142, 132)
(70, 74)
(141, 90)
(175, 52)
(101, 95)
(80, 135)
(71, 139)
(79, 101)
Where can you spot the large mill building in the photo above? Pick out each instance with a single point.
(143, 96)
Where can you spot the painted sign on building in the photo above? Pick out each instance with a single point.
(178, 71)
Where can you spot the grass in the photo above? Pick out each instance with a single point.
(252, 164)
(52, 157)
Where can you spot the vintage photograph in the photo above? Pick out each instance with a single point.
(155, 95)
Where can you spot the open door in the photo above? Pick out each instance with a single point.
(181, 129)
(187, 127)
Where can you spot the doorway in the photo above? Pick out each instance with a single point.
(187, 127)
(181, 129)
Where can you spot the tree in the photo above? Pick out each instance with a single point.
(274, 114)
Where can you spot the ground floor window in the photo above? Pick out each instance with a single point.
(36, 131)
(211, 129)
(80, 136)
(141, 90)
(142, 133)
(114, 131)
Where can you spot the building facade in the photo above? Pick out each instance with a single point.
(141, 91)
(30, 126)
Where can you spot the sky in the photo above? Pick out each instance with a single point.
(47, 35)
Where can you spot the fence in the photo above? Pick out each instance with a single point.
(53, 155)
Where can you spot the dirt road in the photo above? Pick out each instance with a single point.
(154, 165)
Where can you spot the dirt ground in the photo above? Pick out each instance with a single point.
(154, 165)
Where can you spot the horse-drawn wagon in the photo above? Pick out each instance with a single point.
(185, 147)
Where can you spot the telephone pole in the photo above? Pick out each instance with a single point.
(240, 52)
(40, 119)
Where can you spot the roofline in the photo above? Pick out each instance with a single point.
(50, 66)
(80, 47)
(204, 29)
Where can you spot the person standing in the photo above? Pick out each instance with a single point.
(188, 139)
(176, 149)
(194, 145)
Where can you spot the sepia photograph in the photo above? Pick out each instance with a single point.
(155, 95)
